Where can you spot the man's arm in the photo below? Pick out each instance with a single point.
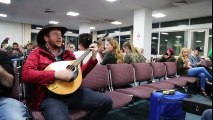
(6, 79)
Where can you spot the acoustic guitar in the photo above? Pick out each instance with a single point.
(65, 88)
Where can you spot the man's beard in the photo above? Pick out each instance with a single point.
(55, 45)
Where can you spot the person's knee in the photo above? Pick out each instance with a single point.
(202, 76)
(18, 110)
(207, 115)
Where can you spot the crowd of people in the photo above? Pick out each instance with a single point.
(50, 49)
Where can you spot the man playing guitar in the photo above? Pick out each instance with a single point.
(54, 106)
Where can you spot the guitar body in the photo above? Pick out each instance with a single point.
(64, 88)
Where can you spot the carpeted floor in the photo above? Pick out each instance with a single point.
(140, 111)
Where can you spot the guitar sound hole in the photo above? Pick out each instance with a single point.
(71, 67)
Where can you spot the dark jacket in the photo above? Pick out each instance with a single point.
(6, 63)
(170, 59)
(180, 67)
(34, 75)
(109, 58)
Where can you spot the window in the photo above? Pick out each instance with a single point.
(123, 40)
(156, 25)
(155, 41)
(198, 40)
(202, 20)
(175, 23)
(210, 40)
(101, 32)
(175, 40)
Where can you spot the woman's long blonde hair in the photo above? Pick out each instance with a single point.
(182, 50)
(116, 50)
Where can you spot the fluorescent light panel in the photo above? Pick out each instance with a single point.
(158, 15)
(53, 22)
(165, 33)
(198, 41)
(73, 14)
(116, 23)
(92, 28)
(5, 1)
(111, 0)
(3, 15)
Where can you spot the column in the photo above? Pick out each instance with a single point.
(84, 28)
(143, 30)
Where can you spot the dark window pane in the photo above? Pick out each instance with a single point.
(155, 41)
(113, 30)
(155, 25)
(175, 40)
(101, 32)
(123, 40)
(125, 29)
(201, 20)
(175, 23)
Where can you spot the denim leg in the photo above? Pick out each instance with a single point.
(55, 109)
(86, 99)
(207, 115)
(11, 109)
(202, 81)
(196, 71)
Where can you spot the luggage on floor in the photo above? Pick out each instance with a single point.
(167, 105)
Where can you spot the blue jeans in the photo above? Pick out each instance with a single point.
(202, 74)
(11, 109)
(56, 107)
(207, 115)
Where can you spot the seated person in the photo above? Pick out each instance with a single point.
(16, 52)
(85, 40)
(71, 47)
(210, 55)
(168, 56)
(10, 109)
(132, 56)
(185, 68)
(207, 115)
(53, 106)
(195, 58)
(113, 53)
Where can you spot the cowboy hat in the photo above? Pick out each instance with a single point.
(46, 30)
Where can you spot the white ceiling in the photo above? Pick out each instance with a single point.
(91, 11)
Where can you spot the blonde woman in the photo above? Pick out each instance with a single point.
(113, 53)
(185, 69)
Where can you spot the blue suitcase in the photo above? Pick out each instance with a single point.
(167, 106)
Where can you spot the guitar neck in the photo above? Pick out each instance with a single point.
(81, 58)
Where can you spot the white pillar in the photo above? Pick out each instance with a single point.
(142, 30)
(84, 28)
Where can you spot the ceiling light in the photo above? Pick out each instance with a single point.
(111, 0)
(5, 1)
(116, 23)
(166, 40)
(210, 35)
(154, 38)
(159, 15)
(70, 32)
(39, 28)
(165, 33)
(179, 37)
(53, 22)
(198, 41)
(3, 15)
(92, 28)
(73, 14)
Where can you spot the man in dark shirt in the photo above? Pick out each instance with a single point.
(10, 109)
